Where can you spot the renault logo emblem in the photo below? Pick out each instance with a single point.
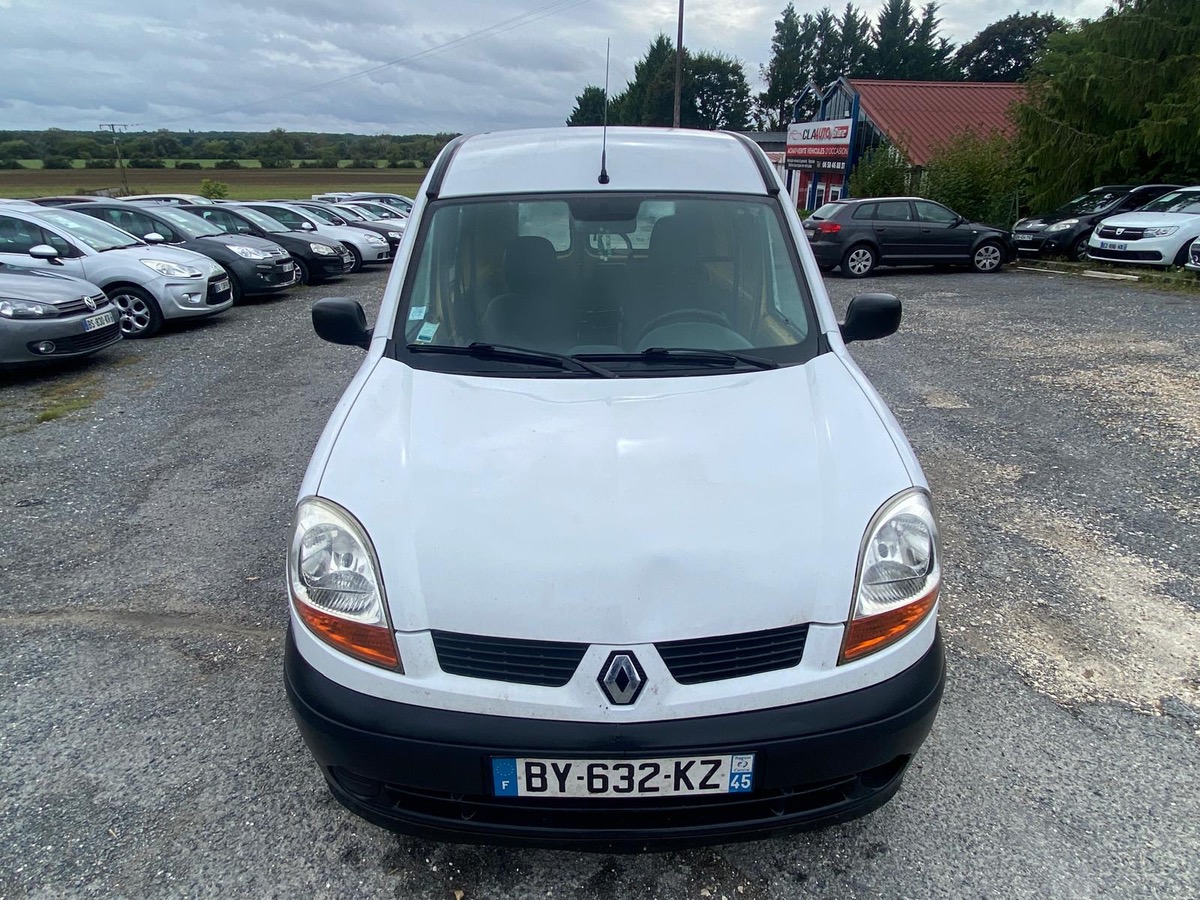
(621, 678)
(89, 302)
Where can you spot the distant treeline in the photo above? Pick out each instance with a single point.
(273, 149)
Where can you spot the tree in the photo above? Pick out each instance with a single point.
(906, 48)
(1005, 50)
(1116, 99)
(853, 40)
(881, 172)
(787, 73)
(589, 107)
(717, 94)
(976, 176)
(649, 97)
(213, 190)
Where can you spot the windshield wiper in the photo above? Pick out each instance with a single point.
(507, 351)
(675, 354)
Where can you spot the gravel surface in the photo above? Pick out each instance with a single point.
(146, 746)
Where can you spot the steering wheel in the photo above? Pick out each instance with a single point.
(685, 315)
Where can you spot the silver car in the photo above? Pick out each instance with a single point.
(148, 284)
(46, 316)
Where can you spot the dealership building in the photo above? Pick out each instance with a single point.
(855, 114)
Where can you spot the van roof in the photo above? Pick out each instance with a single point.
(562, 160)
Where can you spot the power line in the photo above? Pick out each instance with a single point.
(526, 18)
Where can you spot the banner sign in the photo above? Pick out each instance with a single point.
(817, 145)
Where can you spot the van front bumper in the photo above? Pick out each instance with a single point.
(427, 771)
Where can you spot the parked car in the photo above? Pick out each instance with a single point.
(170, 198)
(396, 201)
(68, 200)
(1158, 234)
(859, 235)
(148, 284)
(255, 265)
(1065, 231)
(1193, 262)
(611, 548)
(378, 210)
(46, 316)
(332, 214)
(317, 258)
(365, 247)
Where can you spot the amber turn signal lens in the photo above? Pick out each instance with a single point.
(370, 643)
(865, 636)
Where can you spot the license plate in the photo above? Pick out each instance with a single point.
(221, 286)
(1023, 237)
(1109, 245)
(93, 322)
(287, 266)
(812, 232)
(667, 777)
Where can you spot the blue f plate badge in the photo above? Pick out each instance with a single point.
(666, 777)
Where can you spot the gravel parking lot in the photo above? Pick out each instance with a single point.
(146, 746)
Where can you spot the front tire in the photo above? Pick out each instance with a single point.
(859, 261)
(987, 258)
(303, 276)
(1079, 249)
(236, 292)
(358, 263)
(140, 315)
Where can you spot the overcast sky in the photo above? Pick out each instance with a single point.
(251, 64)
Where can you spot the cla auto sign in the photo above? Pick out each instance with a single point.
(818, 145)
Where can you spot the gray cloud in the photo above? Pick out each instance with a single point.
(229, 64)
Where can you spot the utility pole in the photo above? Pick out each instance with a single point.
(113, 126)
(678, 65)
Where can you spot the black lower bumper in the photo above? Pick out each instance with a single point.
(426, 771)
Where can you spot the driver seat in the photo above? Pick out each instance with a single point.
(535, 312)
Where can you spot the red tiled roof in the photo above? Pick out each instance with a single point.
(921, 115)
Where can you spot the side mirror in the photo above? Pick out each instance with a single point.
(44, 252)
(871, 316)
(337, 221)
(155, 238)
(341, 320)
(307, 226)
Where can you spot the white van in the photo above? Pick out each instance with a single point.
(609, 542)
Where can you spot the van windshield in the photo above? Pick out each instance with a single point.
(605, 277)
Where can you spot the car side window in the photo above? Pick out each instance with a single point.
(135, 223)
(893, 211)
(18, 236)
(65, 248)
(934, 213)
(286, 217)
(864, 211)
(223, 220)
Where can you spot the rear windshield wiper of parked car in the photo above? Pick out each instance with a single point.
(675, 354)
(517, 354)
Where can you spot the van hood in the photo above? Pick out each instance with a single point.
(614, 511)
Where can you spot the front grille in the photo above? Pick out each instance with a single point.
(586, 816)
(215, 297)
(79, 343)
(80, 306)
(547, 663)
(1144, 255)
(733, 655)
(1126, 234)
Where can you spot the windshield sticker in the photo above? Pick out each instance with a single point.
(428, 330)
(417, 313)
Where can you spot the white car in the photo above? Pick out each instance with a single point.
(1158, 234)
(609, 542)
(148, 284)
(365, 246)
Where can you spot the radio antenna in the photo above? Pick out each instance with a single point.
(603, 179)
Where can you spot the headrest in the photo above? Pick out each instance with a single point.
(529, 262)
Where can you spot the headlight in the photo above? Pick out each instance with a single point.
(899, 575)
(12, 308)
(322, 250)
(1063, 225)
(375, 239)
(335, 584)
(170, 269)
(249, 252)
(396, 235)
(1161, 232)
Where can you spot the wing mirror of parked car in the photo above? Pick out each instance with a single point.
(45, 252)
(871, 316)
(307, 226)
(341, 320)
(154, 238)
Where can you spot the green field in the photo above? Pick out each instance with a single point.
(244, 184)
